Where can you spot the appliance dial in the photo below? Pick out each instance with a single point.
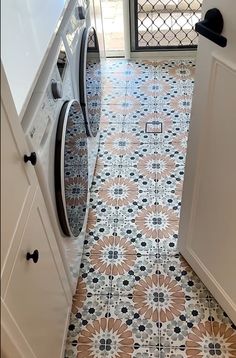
(81, 12)
(56, 88)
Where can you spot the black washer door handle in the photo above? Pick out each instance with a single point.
(212, 26)
(34, 256)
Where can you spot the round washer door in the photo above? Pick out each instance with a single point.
(90, 80)
(71, 168)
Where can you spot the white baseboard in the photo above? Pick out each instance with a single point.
(163, 54)
(208, 279)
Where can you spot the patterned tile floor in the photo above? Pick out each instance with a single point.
(136, 296)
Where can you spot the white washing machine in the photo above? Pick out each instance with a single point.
(82, 49)
(56, 131)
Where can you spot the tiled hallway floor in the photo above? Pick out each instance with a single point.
(136, 296)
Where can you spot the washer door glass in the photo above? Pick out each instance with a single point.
(90, 81)
(71, 169)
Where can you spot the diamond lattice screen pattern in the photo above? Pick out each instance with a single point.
(167, 23)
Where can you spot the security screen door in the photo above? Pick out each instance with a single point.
(164, 24)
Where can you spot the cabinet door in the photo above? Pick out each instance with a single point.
(35, 296)
(13, 344)
(18, 178)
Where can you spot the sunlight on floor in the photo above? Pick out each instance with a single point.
(112, 11)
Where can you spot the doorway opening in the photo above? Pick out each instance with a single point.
(113, 25)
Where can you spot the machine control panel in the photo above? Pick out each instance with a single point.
(46, 102)
(46, 113)
(76, 22)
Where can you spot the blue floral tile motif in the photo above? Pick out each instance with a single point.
(176, 326)
(106, 157)
(136, 296)
(96, 229)
(175, 267)
(102, 204)
(167, 245)
(144, 331)
(109, 130)
(136, 155)
(171, 200)
(171, 181)
(137, 267)
(142, 179)
(90, 267)
(111, 66)
(110, 115)
(86, 309)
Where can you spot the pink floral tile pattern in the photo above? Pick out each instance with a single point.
(136, 295)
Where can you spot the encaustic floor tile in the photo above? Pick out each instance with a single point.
(108, 115)
(96, 226)
(95, 274)
(149, 161)
(114, 95)
(179, 317)
(107, 129)
(150, 219)
(86, 309)
(144, 94)
(138, 314)
(121, 143)
(128, 271)
(170, 199)
(103, 174)
(171, 179)
(224, 331)
(133, 237)
(106, 157)
(141, 151)
(167, 244)
(102, 203)
(94, 238)
(144, 176)
(164, 122)
(175, 267)
(174, 150)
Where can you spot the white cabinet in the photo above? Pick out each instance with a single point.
(35, 296)
(18, 183)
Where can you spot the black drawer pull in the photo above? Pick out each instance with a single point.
(34, 256)
(212, 26)
(32, 158)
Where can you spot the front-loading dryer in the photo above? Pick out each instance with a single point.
(55, 129)
(72, 35)
(90, 79)
(82, 48)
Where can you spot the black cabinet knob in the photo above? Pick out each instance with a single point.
(34, 256)
(32, 158)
